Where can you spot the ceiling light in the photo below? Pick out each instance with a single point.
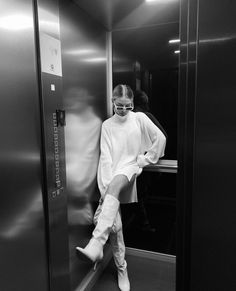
(174, 40)
(177, 52)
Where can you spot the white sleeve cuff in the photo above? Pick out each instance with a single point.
(142, 161)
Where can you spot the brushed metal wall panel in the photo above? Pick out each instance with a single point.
(183, 198)
(23, 263)
(207, 144)
(213, 214)
(54, 142)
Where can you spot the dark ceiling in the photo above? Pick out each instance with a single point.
(120, 14)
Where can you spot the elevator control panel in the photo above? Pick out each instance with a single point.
(58, 118)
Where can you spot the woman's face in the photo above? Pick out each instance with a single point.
(122, 105)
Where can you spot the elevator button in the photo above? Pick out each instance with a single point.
(58, 184)
(61, 117)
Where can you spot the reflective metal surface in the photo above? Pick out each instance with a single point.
(54, 143)
(163, 166)
(144, 59)
(182, 193)
(23, 260)
(157, 53)
(84, 63)
(213, 214)
(207, 144)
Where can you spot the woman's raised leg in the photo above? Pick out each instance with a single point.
(94, 249)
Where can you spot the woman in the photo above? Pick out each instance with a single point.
(129, 142)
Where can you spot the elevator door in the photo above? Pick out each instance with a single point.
(23, 263)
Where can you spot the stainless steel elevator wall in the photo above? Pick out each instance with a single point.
(23, 263)
(49, 51)
(84, 64)
(213, 212)
(207, 142)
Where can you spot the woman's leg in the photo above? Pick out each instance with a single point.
(116, 238)
(118, 251)
(94, 249)
(117, 184)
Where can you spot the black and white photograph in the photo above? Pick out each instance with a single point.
(118, 141)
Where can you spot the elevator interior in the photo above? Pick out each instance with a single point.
(55, 56)
(40, 217)
(94, 32)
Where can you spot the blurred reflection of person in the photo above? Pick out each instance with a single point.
(129, 141)
(82, 135)
(141, 104)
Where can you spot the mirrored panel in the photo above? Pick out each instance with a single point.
(147, 59)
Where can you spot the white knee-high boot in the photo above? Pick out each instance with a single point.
(94, 249)
(118, 250)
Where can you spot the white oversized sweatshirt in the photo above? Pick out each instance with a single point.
(128, 143)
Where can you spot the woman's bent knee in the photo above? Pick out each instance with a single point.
(117, 184)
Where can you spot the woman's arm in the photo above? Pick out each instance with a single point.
(105, 161)
(154, 142)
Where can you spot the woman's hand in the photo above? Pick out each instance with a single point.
(142, 161)
(139, 172)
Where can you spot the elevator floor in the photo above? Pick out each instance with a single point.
(144, 273)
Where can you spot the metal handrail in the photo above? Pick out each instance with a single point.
(163, 166)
